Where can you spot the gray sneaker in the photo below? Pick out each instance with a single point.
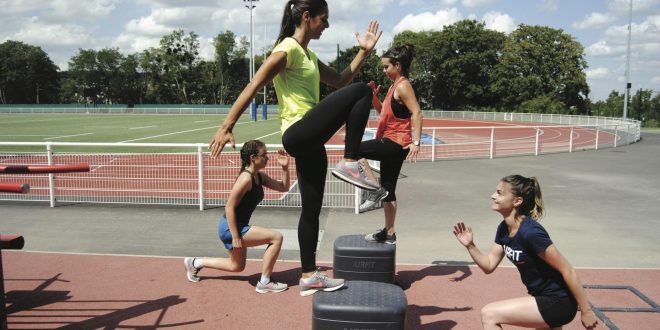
(353, 173)
(271, 287)
(381, 236)
(191, 271)
(319, 281)
(373, 198)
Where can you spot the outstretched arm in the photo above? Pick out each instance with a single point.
(274, 64)
(554, 258)
(487, 262)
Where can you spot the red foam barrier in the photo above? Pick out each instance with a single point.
(20, 188)
(44, 168)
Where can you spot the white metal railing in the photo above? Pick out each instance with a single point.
(189, 177)
(151, 173)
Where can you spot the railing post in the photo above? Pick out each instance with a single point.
(492, 141)
(51, 176)
(616, 134)
(536, 143)
(433, 145)
(200, 176)
(597, 135)
(570, 142)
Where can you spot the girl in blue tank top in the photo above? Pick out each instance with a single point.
(555, 290)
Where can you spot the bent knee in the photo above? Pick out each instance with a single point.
(489, 315)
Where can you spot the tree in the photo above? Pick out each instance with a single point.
(27, 75)
(103, 76)
(539, 61)
(466, 59)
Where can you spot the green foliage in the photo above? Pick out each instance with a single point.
(27, 75)
(542, 104)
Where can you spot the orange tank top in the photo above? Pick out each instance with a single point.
(398, 130)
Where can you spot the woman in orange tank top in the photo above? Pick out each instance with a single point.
(397, 137)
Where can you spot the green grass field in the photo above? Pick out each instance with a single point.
(129, 128)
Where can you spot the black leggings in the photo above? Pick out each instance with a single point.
(305, 140)
(391, 156)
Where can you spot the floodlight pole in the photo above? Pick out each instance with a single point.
(627, 93)
(251, 7)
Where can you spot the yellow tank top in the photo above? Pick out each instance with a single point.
(297, 86)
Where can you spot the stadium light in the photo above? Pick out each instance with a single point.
(627, 92)
(251, 7)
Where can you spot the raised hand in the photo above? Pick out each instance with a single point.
(370, 38)
(374, 88)
(282, 158)
(463, 233)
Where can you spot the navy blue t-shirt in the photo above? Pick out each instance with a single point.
(522, 250)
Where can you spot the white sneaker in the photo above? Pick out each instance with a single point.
(373, 198)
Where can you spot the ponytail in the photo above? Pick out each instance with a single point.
(293, 12)
(529, 190)
(403, 55)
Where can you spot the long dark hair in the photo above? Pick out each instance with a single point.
(249, 148)
(293, 12)
(403, 55)
(530, 192)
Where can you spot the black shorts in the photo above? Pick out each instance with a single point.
(557, 311)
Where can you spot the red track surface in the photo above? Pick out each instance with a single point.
(50, 290)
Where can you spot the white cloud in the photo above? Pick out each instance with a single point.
(594, 20)
(597, 73)
(147, 26)
(477, 3)
(36, 32)
(548, 6)
(499, 22)
(602, 48)
(647, 31)
(92, 9)
(428, 21)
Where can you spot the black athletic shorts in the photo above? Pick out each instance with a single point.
(557, 311)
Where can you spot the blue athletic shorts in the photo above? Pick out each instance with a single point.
(225, 234)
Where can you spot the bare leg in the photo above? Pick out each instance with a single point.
(521, 312)
(254, 237)
(259, 236)
(390, 216)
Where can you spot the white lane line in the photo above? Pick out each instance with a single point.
(201, 121)
(66, 136)
(174, 133)
(141, 127)
(267, 135)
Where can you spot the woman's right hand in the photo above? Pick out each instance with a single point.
(463, 233)
(237, 242)
(219, 140)
(374, 88)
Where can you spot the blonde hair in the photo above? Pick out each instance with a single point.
(530, 191)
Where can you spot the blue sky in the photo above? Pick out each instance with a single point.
(61, 27)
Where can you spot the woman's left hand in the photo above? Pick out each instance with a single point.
(282, 158)
(589, 320)
(370, 38)
(414, 152)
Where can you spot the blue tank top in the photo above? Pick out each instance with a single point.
(249, 202)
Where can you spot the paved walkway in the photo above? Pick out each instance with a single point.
(602, 212)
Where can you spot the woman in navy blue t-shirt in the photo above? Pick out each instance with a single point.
(555, 289)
